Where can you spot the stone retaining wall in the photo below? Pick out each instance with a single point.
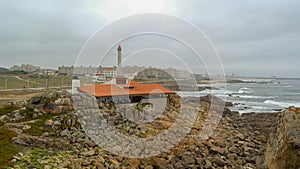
(283, 149)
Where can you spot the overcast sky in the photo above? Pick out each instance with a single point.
(253, 38)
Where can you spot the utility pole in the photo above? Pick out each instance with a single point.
(5, 83)
(36, 82)
(28, 84)
(46, 87)
(62, 81)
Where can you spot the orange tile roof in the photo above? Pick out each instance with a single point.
(108, 90)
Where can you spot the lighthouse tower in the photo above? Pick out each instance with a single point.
(119, 56)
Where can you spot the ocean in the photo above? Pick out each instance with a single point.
(265, 95)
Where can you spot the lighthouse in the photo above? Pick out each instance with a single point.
(119, 56)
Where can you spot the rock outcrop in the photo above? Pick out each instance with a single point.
(236, 140)
(283, 149)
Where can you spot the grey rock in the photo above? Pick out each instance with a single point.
(188, 159)
(240, 136)
(88, 153)
(3, 118)
(37, 99)
(208, 164)
(26, 127)
(234, 150)
(149, 167)
(231, 156)
(217, 149)
(34, 115)
(218, 161)
(179, 165)
(48, 122)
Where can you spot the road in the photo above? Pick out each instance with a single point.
(33, 89)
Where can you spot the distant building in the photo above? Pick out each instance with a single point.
(153, 73)
(85, 70)
(171, 71)
(183, 74)
(25, 67)
(65, 70)
(164, 73)
(107, 72)
(70, 70)
(102, 74)
(132, 69)
(49, 72)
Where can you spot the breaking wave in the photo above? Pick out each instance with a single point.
(244, 90)
(255, 97)
(282, 104)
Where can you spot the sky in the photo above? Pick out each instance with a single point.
(252, 38)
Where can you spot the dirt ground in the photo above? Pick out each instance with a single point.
(6, 97)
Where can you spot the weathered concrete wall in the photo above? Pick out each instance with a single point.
(283, 149)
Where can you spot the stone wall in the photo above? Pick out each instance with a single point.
(283, 149)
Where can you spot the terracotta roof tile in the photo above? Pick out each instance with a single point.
(108, 90)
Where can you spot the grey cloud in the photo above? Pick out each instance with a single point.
(252, 37)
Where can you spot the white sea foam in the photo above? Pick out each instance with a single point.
(282, 104)
(254, 97)
(244, 90)
(220, 93)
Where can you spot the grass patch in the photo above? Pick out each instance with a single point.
(140, 106)
(33, 160)
(31, 81)
(38, 128)
(8, 149)
(39, 158)
(16, 93)
(47, 102)
(7, 109)
(28, 113)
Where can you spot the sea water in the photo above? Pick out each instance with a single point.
(264, 95)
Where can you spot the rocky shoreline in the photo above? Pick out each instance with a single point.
(48, 128)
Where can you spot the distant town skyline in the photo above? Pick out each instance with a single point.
(253, 38)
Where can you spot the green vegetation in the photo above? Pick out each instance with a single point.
(4, 71)
(28, 112)
(26, 80)
(7, 109)
(37, 155)
(11, 82)
(47, 101)
(38, 128)
(140, 106)
(86, 80)
(18, 92)
(8, 149)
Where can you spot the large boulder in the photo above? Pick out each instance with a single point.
(211, 99)
(283, 149)
(37, 99)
